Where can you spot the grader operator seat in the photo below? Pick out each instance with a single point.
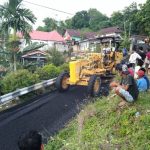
(108, 58)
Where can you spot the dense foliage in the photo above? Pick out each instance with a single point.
(48, 72)
(51, 71)
(23, 78)
(15, 18)
(19, 79)
(133, 19)
(55, 57)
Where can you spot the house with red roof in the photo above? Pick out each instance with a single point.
(72, 35)
(50, 39)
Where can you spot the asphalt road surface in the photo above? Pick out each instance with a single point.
(46, 114)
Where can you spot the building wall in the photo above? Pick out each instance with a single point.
(84, 46)
(59, 45)
(88, 45)
(76, 38)
(111, 34)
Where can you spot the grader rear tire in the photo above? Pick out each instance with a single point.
(61, 82)
(94, 86)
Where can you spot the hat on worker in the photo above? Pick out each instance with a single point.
(140, 73)
(125, 69)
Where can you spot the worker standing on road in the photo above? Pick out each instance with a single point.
(30, 141)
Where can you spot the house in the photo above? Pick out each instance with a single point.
(72, 35)
(35, 56)
(111, 31)
(51, 39)
(92, 40)
(89, 42)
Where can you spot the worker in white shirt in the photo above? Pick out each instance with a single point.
(133, 57)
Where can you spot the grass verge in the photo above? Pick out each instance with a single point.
(102, 125)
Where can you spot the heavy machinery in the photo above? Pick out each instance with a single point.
(88, 71)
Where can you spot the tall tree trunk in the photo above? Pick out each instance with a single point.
(15, 62)
(14, 57)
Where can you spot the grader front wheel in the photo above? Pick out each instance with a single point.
(61, 82)
(94, 85)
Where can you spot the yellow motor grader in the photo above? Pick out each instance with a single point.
(88, 71)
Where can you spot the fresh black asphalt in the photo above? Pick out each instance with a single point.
(47, 114)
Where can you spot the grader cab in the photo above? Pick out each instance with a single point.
(88, 71)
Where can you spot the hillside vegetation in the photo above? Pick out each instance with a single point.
(103, 125)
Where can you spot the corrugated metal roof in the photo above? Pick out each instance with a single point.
(45, 36)
(110, 30)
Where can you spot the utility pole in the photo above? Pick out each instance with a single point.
(130, 29)
(125, 29)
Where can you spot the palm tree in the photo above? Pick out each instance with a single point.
(16, 19)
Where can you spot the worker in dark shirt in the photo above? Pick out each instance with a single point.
(142, 53)
(127, 89)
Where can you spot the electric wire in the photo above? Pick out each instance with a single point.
(49, 8)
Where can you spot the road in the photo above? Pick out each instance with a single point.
(46, 114)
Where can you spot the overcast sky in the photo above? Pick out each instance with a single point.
(72, 6)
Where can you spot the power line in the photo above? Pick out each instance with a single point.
(49, 8)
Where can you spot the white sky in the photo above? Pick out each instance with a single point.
(72, 6)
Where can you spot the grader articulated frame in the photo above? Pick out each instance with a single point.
(88, 71)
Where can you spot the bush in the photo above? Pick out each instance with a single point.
(17, 80)
(56, 57)
(48, 72)
(64, 67)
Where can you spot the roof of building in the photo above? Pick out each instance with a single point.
(139, 37)
(90, 35)
(73, 32)
(45, 36)
(34, 53)
(110, 30)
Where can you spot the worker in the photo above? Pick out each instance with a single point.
(30, 141)
(127, 89)
(133, 57)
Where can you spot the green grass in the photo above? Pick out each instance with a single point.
(103, 125)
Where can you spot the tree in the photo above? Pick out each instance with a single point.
(55, 57)
(130, 18)
(68, 23)
(144, 18)
(50, 25)
(117, 19)
(80, 20)
(61, 27)
(127, 19)
(97, 20)
(18, 19)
